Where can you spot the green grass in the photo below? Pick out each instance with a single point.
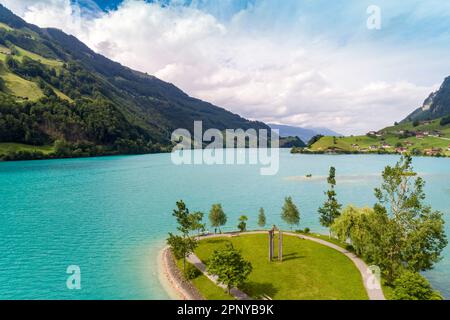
(310, 271)
(21, 88)
(5, 26)
(387, 289)
(4, 51)
(208, 289)
(6, 148)
(61, 95)
(49, 62)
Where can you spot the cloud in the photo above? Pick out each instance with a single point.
(280, 63)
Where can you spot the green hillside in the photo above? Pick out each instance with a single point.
(54, 90)
(420, 138)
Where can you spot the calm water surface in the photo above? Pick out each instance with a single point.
(110, 216)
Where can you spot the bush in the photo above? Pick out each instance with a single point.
(307, 230)
(191, 272)
(445, 121)
(413, 286)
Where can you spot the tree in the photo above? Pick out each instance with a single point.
(181, 213)
(417, 236)
(401, 232)
(229, 266)
(217, 216)
(290, 214)
(413, 286)
(331, 208)
(196, 222)
(242, 226)
(445, 121)
(363, 227)
(182, 245)
(261, 218)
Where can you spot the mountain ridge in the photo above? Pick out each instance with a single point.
(52, 81)
(305, 134)
(436, 105)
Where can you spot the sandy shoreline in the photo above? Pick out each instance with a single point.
(171, 279)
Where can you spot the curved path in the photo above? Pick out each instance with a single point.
(370, 282)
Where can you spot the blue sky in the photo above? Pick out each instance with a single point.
(297, 62)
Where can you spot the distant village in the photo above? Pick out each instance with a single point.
(400, 142)
(403, 147)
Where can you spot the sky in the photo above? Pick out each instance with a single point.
(308, 63)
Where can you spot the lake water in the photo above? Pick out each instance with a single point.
(110, 216)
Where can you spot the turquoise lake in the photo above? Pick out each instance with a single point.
(110, 216)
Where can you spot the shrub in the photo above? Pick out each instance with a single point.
(413, 286)
(305, 231)
(191, 272)
(445, 121)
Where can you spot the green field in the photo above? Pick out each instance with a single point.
(310, 271)
(48, 62)
(6, 148)
(5, 26)
(21, 88)
(391, 136)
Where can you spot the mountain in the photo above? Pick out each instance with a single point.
(437, 105)
(426, 132)
(291, 142)
(305, 134)
(54, 90)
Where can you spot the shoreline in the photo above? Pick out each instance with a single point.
(171, 279)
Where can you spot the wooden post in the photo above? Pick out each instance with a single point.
(280, 245)
(270, 245)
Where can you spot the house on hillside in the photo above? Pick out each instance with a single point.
(355, 145)
(375, 134)
(386, 146)
(373, 147)
(433, 151)
(448, 148)
(401, 150)
(409, 143)
(419, 136)
(436, 133)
